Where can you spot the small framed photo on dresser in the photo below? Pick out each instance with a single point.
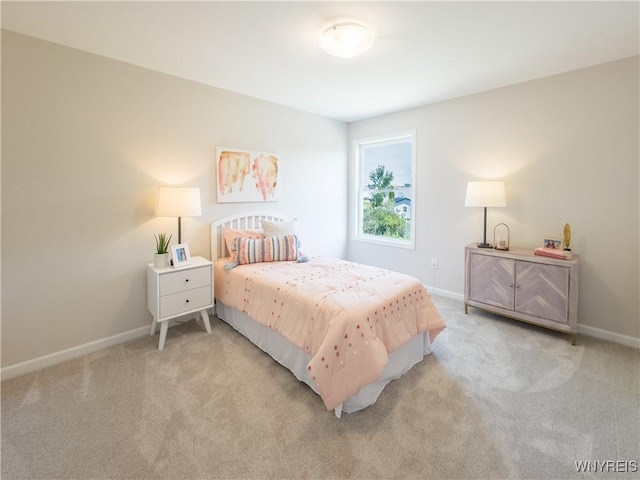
(180, 255)
(552, 243)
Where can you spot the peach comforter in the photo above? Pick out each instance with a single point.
(347, 316)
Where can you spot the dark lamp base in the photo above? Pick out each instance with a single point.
(485, 245)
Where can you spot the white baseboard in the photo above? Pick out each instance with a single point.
(625, 340)
(70, 353)
(445, 293)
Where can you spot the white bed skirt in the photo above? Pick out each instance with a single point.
(296, 360)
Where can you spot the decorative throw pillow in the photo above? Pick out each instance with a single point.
(285, 248)
(230, 234)
(277, 229)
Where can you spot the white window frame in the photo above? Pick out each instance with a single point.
(359, 186)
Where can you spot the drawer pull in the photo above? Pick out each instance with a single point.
(186, 280)
(187, 300)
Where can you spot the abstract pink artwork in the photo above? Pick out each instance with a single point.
(246, 176)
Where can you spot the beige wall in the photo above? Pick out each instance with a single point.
(567, 147)
(86, 141)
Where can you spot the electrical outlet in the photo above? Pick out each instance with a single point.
(434, 263)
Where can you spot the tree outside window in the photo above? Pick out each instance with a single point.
(385, 172)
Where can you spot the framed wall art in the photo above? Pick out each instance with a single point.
(246, 175)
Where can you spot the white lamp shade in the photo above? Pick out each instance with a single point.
(485, 194)
(346, 39)
(178, 202)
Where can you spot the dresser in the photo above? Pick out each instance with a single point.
(523, 286)
(174, 292)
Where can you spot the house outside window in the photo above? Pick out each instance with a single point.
(385, 177)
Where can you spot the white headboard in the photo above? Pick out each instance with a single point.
(240, 220)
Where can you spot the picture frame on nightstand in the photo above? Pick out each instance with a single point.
(180, 255)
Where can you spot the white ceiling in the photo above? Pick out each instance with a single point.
(424, 52)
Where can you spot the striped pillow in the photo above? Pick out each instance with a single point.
(268, 249)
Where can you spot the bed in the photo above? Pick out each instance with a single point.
(344, 329)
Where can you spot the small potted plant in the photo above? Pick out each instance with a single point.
(161, 257)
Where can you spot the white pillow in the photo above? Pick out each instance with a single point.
(279, 229)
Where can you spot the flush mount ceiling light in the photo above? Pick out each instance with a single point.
(346, 39)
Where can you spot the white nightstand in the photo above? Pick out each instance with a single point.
(173, 292)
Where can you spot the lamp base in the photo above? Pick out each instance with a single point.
(484, 245)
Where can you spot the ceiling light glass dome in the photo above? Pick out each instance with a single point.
(346, 39)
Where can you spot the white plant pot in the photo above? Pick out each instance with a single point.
(161, 260)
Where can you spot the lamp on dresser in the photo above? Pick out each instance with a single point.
(178, 202)
(485, 194)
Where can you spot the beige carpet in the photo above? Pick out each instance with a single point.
(497, 399)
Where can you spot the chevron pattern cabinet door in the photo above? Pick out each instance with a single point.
(542, 290)
(491, 280)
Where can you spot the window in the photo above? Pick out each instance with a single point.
(385, 173)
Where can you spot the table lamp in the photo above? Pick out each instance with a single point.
(485, 194)
(178, 202)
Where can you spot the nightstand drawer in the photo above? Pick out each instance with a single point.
(179, 281)
(185, 301)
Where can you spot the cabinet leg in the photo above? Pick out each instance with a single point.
(574, 339)
(163, 334)
(205, 319)
(466, 309)
(154, 324)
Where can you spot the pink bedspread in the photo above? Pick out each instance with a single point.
(347, 316)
